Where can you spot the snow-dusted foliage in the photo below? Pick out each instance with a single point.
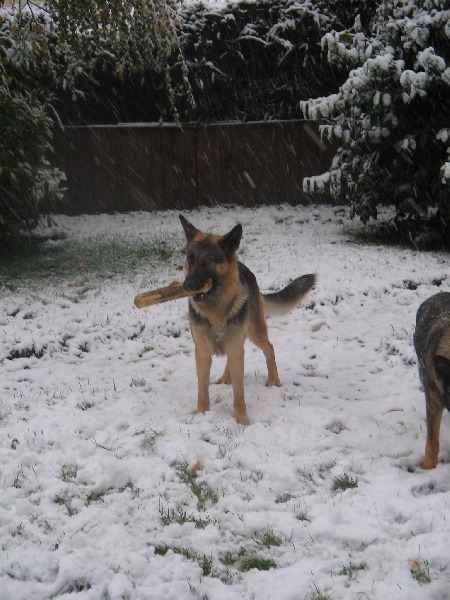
(122, 38)
(48, 51)
(391, 117)
(255, 59)
(29, 184)
(246, 60)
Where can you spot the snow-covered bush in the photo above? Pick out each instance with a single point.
(391, 118)
(247, 60)
(51, 52)
(254, 60)
(111, 43)
(29, 184)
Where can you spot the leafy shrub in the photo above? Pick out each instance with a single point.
(49, 55)
(29, 184)
(245, 60)
(117, 51)
(255, 60)
(390, 119)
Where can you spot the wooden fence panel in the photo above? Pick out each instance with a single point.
(154, 167)
(179, 168)
(143, 169)
(78, 169)
(107, 182)
(248, 171)
(209, 165)
(294, 151)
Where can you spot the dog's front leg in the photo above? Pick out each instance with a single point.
(203, 360)
(236, 368)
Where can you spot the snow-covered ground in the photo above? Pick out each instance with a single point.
(98, 427)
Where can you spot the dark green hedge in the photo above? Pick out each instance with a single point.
(390, 121)
(247, 61)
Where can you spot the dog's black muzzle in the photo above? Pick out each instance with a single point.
(196, 282)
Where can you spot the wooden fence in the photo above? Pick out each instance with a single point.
(154, 167)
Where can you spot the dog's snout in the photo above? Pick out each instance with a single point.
(192, 283)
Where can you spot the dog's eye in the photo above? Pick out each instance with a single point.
(190, 258)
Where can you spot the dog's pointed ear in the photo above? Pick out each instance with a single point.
(229, 243)
(189, 229)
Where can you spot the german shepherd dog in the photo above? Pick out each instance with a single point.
(231, 311)
(432, 344)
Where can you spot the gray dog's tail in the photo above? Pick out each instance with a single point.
(289, 297)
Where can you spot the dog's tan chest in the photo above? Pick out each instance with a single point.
(216, 336)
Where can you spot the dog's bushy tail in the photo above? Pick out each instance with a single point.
(289, 297)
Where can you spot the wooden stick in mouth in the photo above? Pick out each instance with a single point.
(170, 292)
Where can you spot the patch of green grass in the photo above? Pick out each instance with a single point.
(22, 258)
(56, 257)
(269, 539)
(317, 594)
(19, 479)
(229, 559)
(180, 516)
(302, 517)
(378, 234)
(352, 570)
(345, 482)
(205, 562)
(27, 353)
(206, 565)
(65, 500)
(135, 491)
(202, 491)
(226, 577)
(255, 475)
(149, 438)
(422, 574)
(234, 562)
(18, 530)
(409, 284)
(76, 586)
(255, 562)
(85, 405)
(68, 473)
(95, 497)
(438, 281)
(107, 448)
(284, 498)
(245, 561)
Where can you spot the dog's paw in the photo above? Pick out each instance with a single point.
(225, 380)
(203, 406)
(242, 420)
(428, 464)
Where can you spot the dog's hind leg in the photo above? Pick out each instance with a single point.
(272, 371)
(226, 377)
(203, 361)
(434, 417)
(259, 337)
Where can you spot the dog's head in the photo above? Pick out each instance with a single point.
(208, 256)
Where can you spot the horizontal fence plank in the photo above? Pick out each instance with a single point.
(156, 167)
